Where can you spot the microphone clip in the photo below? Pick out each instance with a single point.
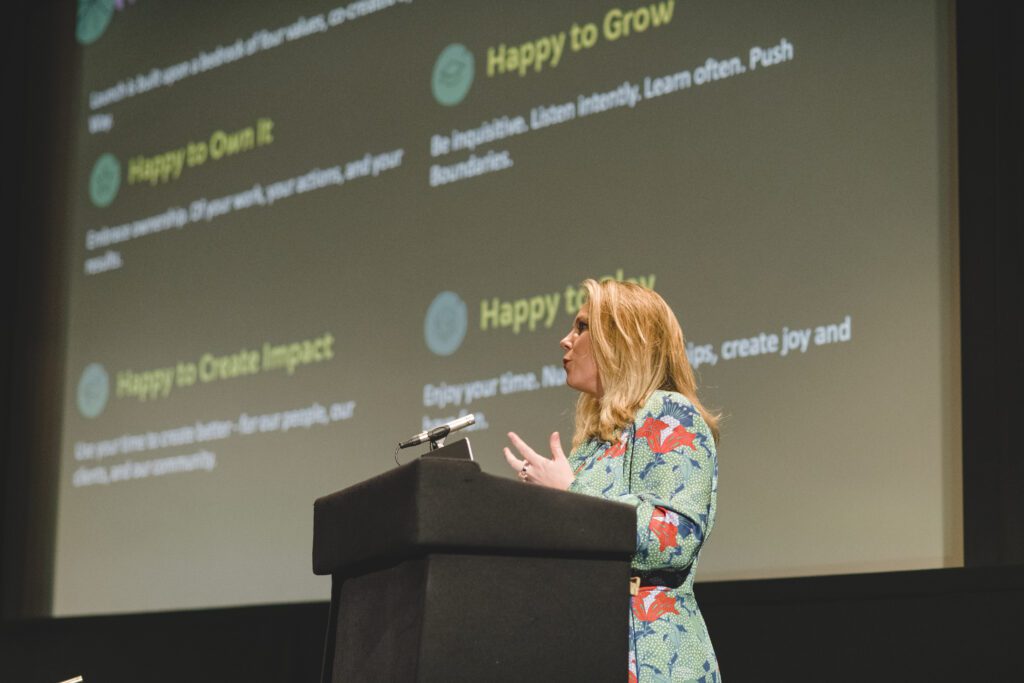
(437, 437)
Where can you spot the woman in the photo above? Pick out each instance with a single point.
(643, 438)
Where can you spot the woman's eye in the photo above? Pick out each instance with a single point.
(581, 326)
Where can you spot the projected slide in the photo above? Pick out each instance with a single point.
(301, 232)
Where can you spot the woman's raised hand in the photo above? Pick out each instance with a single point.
(553, 472)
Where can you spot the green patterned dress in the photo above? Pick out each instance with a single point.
(665, 465)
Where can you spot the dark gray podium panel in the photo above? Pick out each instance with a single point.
(483, 618)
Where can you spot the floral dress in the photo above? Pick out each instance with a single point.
(665, 465)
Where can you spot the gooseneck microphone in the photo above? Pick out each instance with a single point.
(440, 431)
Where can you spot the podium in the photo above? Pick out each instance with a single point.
(441, 572)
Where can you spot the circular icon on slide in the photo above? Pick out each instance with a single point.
(93, 390)
(453, 74)
(445, 325)
(105, 180)
(92, 19)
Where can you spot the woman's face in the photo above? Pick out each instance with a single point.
(578, 361)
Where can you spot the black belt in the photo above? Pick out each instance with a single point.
(663, 579)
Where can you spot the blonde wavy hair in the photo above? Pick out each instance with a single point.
(639, 348)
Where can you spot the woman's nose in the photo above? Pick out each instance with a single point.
(566, 343)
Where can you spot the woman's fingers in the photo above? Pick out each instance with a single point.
(513, 462)
(529, 455)
(556, 447)
(553, 472)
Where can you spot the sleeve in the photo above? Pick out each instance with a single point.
(673, 481)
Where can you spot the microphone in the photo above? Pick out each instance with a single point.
(440, 431)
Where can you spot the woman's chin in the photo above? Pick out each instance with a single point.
(583, 389)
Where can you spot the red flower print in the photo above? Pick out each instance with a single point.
(614, 451)
(665, 526)
(652, 603)
(651, 430)
(678, 437)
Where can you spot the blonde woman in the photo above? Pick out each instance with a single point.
(641, 437)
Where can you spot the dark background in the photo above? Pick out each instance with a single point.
(947, 624)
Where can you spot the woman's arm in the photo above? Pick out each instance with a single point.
(672, 477)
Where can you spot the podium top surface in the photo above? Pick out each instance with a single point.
(440, 505)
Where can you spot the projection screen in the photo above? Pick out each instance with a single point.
(301, 232)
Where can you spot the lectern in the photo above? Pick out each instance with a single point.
(441, 572)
